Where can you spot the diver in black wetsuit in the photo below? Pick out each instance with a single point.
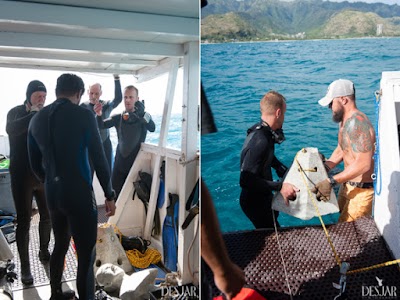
(24, 184)
(257, 158)
(64, 136)
(132, 126)
(95, 93)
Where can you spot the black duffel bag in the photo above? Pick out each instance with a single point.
(134, 242)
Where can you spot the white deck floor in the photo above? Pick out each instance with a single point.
(41, 292)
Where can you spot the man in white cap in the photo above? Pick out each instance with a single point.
(355, 148)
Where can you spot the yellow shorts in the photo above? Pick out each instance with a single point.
(354, 202)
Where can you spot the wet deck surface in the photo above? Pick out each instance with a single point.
(310, 262)
(40, 272)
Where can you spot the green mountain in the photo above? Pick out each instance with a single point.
(227, 26)
(227, 20)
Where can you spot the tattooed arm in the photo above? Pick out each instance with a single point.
(357, 144)
(336, 158)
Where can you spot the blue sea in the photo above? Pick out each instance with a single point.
(235, 76)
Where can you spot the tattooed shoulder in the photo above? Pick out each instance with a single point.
(357, 131)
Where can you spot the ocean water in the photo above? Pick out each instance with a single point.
(235, 76)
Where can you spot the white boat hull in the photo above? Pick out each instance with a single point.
(387, 195)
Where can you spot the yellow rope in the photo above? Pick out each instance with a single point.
(388, 263)
(143, 260)
(135, 257)
(319, 215)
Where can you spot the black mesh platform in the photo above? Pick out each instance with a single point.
(309, 260)
(39, 271)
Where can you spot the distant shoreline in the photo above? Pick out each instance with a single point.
(299, 40)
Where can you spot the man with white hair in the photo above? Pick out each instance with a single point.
(355, 148)
(95, 91)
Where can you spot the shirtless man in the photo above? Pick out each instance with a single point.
(355, 148)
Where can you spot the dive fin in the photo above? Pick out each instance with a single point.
(193, 199)
(161, 193)
(194, 211)
(170, 233)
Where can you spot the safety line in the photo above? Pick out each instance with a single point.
(280, 251)
(377, 167)
(385, 264)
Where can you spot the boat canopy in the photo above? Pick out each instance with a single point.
(123, 36)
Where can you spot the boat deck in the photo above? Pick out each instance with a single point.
(309, 260)
(41, 288)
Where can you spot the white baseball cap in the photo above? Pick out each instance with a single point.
(338, 88)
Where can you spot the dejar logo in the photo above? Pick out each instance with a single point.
(379, 291)
(181, 292)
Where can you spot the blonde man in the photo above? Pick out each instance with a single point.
(257, 159)
(132, 126)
